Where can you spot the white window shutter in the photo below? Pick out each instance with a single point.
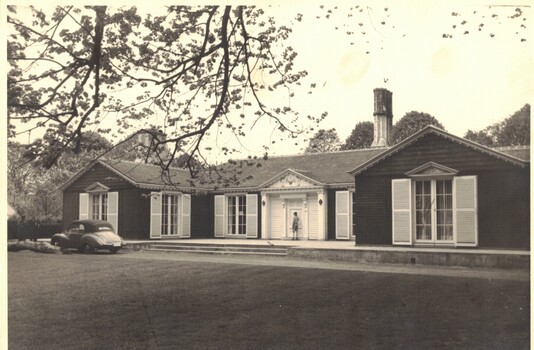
(84, 206)
(113, 210)
(401, 190)
(219, 216)
(155, 214)
(465, 211)
(186, 215)
(343, 209)
(252, 216)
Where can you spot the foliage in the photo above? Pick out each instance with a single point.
(483, 20)
(195, 71)
(192, 68)
(361, 136)
(513, 131)
(33, 190)
(411, 123)
(323, 141)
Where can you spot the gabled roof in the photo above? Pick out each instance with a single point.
(327, 169)
(330, 168)
(519, 152)
(502, 155)
(137, 174)
(149, 176)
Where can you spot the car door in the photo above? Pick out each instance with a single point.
(76, 231)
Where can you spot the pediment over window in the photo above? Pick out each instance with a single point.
(432, 169)
(96, 187)
(290, 179)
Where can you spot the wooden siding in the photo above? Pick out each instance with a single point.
(134, 213)
(313, 217)
(503, 193)
(258, 194)
(276, 216)
(433, 148)
(504, 209)
(372, 219)
(331, 215)
(99, 173)
(71, 208)
(202, 216)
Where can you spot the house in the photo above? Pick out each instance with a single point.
(432, 189)
(437, 189)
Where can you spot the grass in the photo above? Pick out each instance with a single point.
(105, 301)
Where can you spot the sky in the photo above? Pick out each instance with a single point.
(467, 82)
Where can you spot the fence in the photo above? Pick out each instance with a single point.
(32, 229)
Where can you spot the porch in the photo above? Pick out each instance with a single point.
(345, 251)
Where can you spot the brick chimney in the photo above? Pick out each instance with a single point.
(383, 116)
(146, 142)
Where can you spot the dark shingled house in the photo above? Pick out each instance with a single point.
(432, 189)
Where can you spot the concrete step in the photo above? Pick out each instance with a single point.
(219, 251)
(219, 248)
(236, 245)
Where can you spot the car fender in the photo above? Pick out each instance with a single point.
(92, 240)
(60, 238)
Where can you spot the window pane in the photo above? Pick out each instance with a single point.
(104, 209)
(164, 214)
(232, 215)
(418, 187)
(439, 187)
(427, 187)
(448, 217)
(448, 186)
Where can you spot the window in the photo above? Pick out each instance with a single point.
(237, 215)
(169, 214)
(99, 206)
(433, 210)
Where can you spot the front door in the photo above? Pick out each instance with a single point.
(433, 211)
(290, 219)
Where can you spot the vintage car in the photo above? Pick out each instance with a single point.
(87, 236)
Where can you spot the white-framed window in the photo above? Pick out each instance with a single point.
(433, 210)
(237, 215)
(99, 206)
(99, 203)
(169, 214)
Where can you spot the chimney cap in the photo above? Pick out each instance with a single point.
(382, 89)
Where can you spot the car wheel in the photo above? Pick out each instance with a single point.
(55, 243)
(87, 248)
(114, 250)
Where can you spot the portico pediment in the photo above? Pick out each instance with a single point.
(290, 179)
(96, 187)
(432, 169)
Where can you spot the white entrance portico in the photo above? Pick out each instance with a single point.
(286, 194)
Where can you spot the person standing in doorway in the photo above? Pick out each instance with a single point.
(295, 225)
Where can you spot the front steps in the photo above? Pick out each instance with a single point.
(220, 249)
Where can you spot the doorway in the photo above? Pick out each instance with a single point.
(433, 211)
(290, 215)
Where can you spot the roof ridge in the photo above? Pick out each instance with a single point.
(315, 153)
(504, 148)
(108, 161)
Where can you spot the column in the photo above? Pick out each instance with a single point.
(265, 218)
(322, 214)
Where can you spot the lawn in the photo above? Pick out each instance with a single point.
(106, 301)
